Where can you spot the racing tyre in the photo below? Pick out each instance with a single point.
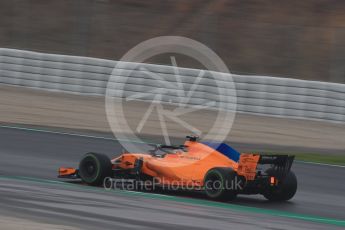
(220, 184)
(285, 190)
(94, 167)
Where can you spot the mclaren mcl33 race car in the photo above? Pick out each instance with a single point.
(216, 169)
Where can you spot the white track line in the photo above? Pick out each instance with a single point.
(114, 139)
(70, 134)
(322, 164)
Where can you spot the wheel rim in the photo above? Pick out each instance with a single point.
(213, 185)
(89, 169)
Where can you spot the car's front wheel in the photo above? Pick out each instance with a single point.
(94, 167)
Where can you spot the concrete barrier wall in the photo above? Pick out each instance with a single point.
(254, 94)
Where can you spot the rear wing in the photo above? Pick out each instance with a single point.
(281, 163)
(247, 165)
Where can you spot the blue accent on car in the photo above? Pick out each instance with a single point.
(224, 149)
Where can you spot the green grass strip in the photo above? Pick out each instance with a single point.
(321, 158)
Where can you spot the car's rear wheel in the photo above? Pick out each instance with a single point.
(285, 189)
(94, 167)
(220, 184)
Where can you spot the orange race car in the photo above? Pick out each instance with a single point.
(214, 168)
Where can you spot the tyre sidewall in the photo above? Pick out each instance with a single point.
(285, 191)
(103, 168)
(221, 180)
(226, 176)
